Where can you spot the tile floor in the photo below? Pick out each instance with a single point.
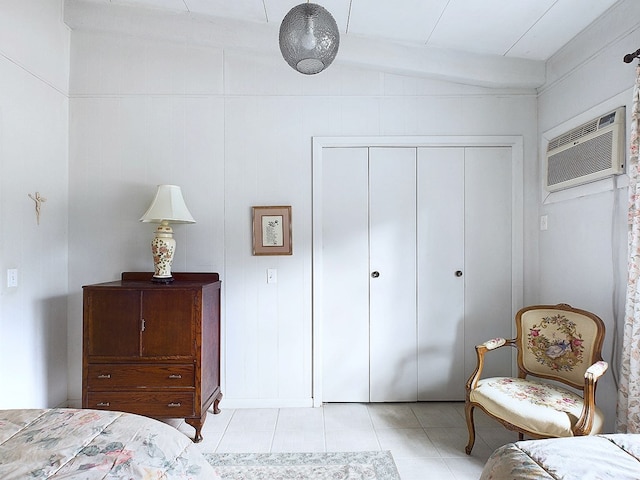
(423, 437)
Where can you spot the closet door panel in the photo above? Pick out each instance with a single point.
(345, 299)
(392, 240)
(488, 252)
(440, 228)
(416, 217)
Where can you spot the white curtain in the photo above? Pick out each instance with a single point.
(628, 414)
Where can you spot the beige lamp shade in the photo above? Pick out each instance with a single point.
(168, 205)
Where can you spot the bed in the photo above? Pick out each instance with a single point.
(95, 444)
(615, 456)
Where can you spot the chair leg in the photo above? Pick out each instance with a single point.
(520, 436)
(468, 410)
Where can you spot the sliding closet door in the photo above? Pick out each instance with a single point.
(441, 273)
(392, 239)
(488, 255)
(345, 280)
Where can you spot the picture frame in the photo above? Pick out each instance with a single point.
(272, 230)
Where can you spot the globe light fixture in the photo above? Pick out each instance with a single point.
(309, 38)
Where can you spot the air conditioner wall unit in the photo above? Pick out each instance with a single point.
(587, 153)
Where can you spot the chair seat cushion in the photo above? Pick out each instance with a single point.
(541, 408)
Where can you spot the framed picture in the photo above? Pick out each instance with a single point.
(272, 230)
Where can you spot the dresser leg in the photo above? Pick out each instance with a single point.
(197, 423)
(216, 403)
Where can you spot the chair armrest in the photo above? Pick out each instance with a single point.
(481, 349)
(493, 343)
(591, 375)
(596, 370)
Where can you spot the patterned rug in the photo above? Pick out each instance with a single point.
(307, 466)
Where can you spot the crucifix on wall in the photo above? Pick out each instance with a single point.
(38, 199)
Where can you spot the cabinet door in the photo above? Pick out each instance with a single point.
(112, 322)
(488, 253)
(345, 275)
(169, 321)
(441, 304)
(392, 307)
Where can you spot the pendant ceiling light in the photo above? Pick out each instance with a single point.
(309, 38)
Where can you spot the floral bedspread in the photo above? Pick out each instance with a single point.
(94, 444)
(615, 456)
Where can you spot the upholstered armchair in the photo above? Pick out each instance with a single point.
(557, 346)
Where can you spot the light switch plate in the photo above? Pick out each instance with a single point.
(544, 222)
(272, 275)
(12, 277)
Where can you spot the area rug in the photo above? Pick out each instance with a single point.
(373, 465)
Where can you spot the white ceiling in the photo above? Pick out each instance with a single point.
(529, 29)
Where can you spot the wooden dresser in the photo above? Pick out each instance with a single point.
(153, 349)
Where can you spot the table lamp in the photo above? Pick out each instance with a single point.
(167, 207)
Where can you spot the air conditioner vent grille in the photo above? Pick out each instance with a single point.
(589, 157)
(593, 151)
(573, 135)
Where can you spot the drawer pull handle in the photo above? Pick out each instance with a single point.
(105, 375)
(175, 376)
(103, 404)
(174, 404)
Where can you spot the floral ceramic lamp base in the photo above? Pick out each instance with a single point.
(163, 247)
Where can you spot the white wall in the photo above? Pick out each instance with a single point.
(34, 66)
(234, 129)
(583, 253)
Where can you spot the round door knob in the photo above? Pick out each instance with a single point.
(458, 273)
(375, 274)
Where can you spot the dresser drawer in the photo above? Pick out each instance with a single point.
(107, 376)
(153, 404)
